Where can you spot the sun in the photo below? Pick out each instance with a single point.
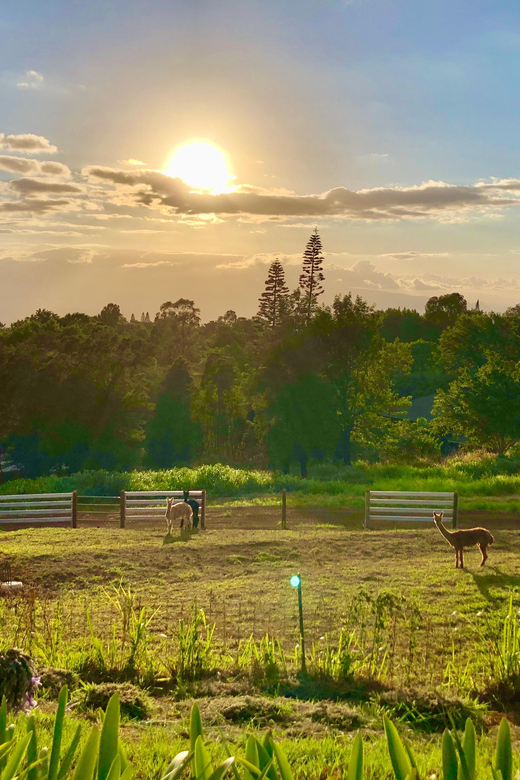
(200, 164)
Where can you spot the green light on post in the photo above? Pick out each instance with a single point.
(296, 582)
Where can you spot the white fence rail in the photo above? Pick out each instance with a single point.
(151, 504)
(405, 506)
(39, 508)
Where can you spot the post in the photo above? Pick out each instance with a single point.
(455, 509)
(300, 609)
(122, 509)
(74, 517)
(203, 510)
(368, 523)
(284, 508)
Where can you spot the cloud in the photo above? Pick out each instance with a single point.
(131, 161)
(33, 206)
(33, 80)
(432, 199)
(26, 165)
(27, 142)
(31, 187)
(374, 157)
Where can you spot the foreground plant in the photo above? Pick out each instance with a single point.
(102, 756)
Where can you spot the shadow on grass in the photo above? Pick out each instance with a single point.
(499, 579)
(184, 536)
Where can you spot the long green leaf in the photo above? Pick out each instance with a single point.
(128, 773)
(115, 770)
(222, 768)
(32, 749)
(251, 768)
(463, 769)
(177, 766)
(69, 754)
(3, 721)
(266, 760)
(504, 751)
(202, 761)
(16, 757)
(355, 765)
(54, 761)
(449, 757)
(252, 757)
(87, 760)
(109, 741)
(469, 746)
(398, 755)
(283, 764)
(195, 726)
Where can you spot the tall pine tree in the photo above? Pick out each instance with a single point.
(311, 276)
(273, 301)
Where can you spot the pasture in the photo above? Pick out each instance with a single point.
(390, 624)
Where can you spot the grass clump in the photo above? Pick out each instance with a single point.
(135, 704)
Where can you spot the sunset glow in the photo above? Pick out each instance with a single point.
(201, 165)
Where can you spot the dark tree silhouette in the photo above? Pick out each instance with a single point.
(311, 276)
(273, 302)
(111, 315)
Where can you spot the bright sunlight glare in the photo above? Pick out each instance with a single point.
(201, 165)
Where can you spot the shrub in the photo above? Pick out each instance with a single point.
(18, 679)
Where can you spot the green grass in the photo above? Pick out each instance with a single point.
(471, 476)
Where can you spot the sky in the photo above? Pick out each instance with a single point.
(391, 125)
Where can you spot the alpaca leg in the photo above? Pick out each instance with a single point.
(461, 559)
(482, 548)
(456, 558)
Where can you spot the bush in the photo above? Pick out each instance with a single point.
(18, 679)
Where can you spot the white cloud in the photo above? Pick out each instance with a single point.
(131, 161)
(32, 80)
(27, 143)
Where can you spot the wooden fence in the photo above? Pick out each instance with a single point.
(39, 508)
(151, 504)
(406, 506)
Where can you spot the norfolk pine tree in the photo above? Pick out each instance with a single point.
(273, 301)
(311, 276)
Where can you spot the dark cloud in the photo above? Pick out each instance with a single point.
(18, 164)
(33, 206)
(25, 165)
(30, 187)
(432, 199)
(27, 142)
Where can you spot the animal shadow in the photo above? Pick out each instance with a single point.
(499, 579)
(184, 536)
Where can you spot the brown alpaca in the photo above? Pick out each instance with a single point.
(466, 537)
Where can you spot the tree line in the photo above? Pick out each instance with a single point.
(299, 380)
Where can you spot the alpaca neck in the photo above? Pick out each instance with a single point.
(444, 531)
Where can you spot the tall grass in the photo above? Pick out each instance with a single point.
(470, 475)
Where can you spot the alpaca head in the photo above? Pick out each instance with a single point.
(437, 517)
(169, 502)
(186, 494)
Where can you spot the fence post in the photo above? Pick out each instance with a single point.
(122, 509)
(284, 508)
(203, 510)
(367, 523)
(455, 509)
(74, 517)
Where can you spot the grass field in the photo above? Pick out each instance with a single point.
(420, 638)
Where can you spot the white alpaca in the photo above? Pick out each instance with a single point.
(178, 511)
